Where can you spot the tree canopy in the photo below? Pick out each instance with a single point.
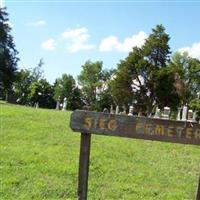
(8, 53)
(138, 78)
(65, 87)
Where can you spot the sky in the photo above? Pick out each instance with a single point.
(68, 33)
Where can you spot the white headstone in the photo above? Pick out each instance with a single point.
(190, 116)
(139, 114)
(64, 104)
(157, 113)
(105, 110)
(184, 113)
(198, 95)
(130, 111)
(124, 110)
(57, 105)
(166, 113)
(194, 116)
(112, 110)
(117, 110)
(179, 114)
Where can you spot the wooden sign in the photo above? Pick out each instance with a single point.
(136, 127)
(88, 122)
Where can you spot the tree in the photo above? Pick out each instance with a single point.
(94, 83)
(8, 53)
(156, 49)
(66, 87)
(89, 80)
(104, 97)
(165, 90)
(139, 76)
(187, 79)
(156, 54)
(37, 73)
(41, 92)
(24, 79)
(121, 83)
(195, 105)
(22, 86)
(75, 100)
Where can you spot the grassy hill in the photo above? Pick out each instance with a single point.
(39, 160)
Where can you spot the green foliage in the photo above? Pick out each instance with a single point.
(187, 76)
(156, 49)
(37, 73)
(30, 87)
(40, 154)
(8, 53)
(94, 82)
(121, 84)
(41, 92)
(89, 80)
(66, 87)
(22, 86)
(165, 91)
(104, 97)
(138, 77)
(104, 100)
(195, 105)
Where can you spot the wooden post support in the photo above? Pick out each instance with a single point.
(198, 190)
(84, 166)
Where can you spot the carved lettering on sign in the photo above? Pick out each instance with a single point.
(136, 127)
(197, 134)
(189, 133)
(102, 123)
(170, 131)
(159, 130)
(148, 129)
(179, 131)
(112, 125)
(87, 122)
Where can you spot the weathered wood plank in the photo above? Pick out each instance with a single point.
(136, 127)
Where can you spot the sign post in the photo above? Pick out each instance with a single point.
(198, 190)
(88, 122)
(84, 166)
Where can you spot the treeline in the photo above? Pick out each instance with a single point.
(31, 88)
(149, 77)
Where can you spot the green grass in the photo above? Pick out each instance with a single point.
(39, 160)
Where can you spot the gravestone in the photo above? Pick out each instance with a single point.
(166, 112)
(64, 104)
(112, 111)
(130, 111)
(179, 114)
(105, 110)
(117, 110)
(190, 115)
(157, 113)
(184, 113)
(57, 105)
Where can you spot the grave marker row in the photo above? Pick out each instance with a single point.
(184, 114)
